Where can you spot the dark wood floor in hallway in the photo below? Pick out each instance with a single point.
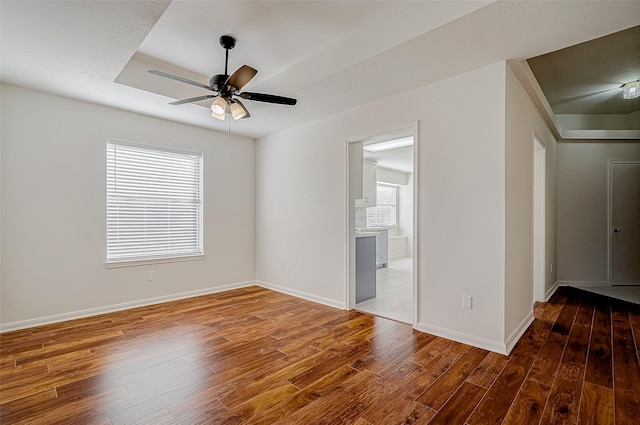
(254, 356)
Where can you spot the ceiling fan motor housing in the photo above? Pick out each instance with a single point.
(227, 42)
(217, 82)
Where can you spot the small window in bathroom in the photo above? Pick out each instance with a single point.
(385, 213)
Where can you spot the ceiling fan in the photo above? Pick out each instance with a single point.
(226, 88)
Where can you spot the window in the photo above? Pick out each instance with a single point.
(154, 203)
(384, 214)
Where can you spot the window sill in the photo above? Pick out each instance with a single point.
(128, 263)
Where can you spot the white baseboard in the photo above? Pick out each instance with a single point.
(551, 291)
(483, 343)
(583, 283)
(517, 334)
(23, 324)
(304, 295)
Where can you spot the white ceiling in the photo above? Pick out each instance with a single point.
(330, 55)
(399, 159)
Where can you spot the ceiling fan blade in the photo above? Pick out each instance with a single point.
(241, 76)
(270, 98)
(193, 99)
(181, 79)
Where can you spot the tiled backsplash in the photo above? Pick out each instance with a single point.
(361, 217)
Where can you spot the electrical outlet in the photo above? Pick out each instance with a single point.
(467, 302)
(150, 275)
(287, 268)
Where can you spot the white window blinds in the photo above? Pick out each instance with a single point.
(384, 214)
(154, 203)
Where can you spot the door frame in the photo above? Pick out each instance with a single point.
(350, 282)
(539, 220)
(610, 165)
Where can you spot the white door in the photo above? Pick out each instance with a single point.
(625, 223)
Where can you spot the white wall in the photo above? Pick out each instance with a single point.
(1, 137)
(522, 121)
(54, 201)
(301, 203)
(583, 227)
(300, 220)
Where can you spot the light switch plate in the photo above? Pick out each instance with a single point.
(467, 302)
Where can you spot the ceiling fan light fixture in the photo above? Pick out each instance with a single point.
(238, 111)
(631, 90)
(225, 87)
(219, 108)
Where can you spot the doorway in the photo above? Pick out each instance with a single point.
(539, 228)
(382, 225)
(624, 222)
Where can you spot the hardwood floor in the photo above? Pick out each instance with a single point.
(253, 356)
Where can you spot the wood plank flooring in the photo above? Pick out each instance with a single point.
(254, 356)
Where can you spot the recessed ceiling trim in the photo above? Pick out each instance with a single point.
(601, 135)
(525, 76)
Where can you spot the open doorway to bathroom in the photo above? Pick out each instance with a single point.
(384, 226)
